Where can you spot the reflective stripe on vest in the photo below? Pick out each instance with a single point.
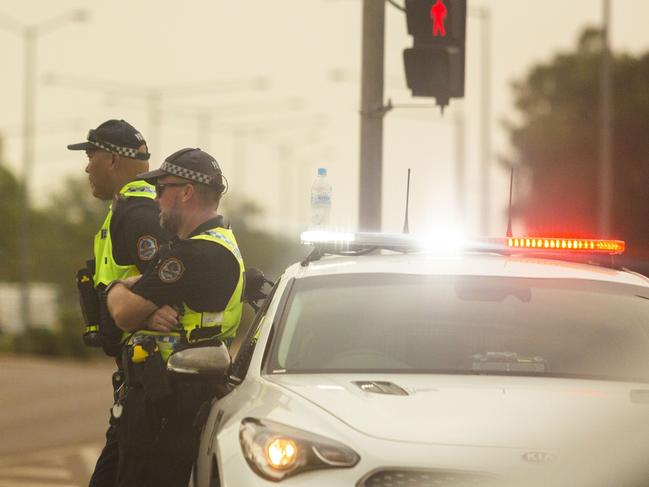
(106, 269)
(229, 318)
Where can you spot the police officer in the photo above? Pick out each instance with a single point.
(124, 246)
(191, 296)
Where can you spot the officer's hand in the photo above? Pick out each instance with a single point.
(129, 281)
(163, 319)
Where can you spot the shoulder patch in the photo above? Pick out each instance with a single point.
(147, 246)
(170, 270)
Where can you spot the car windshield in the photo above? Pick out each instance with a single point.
(463, 325)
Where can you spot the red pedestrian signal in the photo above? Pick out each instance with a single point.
(438, 14)
(433, 22)
(435, 64)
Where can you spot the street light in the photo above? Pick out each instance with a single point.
(29, 35)
(154, 94)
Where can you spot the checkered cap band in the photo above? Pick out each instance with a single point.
(183, 172)
(115, 149)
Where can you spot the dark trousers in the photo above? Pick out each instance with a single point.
(158, 441)
(105, 472)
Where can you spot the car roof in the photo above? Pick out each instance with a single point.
(465, 264)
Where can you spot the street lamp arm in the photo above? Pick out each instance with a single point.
(8, 23)
(18, 28)
(200, 88)
(60, 20)
(87, 83)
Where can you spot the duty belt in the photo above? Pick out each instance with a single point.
(165, 343)
(144, 364)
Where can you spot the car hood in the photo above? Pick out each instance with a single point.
(490, 411)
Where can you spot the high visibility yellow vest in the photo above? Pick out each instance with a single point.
(106, 269)
(191, 320)
(229, 318)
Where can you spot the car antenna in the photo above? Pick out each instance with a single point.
(509, 211)
(405, 223)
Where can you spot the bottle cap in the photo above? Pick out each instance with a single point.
(322, 171)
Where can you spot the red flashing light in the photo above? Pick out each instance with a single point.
(567, 244)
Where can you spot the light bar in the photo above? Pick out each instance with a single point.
(566, 245)
(323, 236)
(343, 241)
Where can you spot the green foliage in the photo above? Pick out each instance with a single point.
(11, 195)
(65, 340)
(557, 144)
(67, 228)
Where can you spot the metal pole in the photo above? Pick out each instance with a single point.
(240, 136)
(155, 122)
(29, 106)
(460, 163)
(204, 129)
(606, 129)
(485, 137)
(371, 138)
(285, 185)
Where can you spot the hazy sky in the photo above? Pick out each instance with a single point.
(270, 141)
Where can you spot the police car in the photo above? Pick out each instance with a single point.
(392, 360)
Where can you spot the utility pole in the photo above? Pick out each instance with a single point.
(370, 178)
(605, 129)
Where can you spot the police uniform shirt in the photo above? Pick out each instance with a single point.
(135, 232)
(199, 273)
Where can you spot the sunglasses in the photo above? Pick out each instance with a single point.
(160, 187)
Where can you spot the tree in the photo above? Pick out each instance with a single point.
(556, 144)
(66, 228)
(11, 196)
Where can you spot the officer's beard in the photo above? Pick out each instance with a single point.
(170, 221)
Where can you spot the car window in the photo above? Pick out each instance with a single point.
(471, 324)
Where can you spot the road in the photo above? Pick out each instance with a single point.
(53, 416)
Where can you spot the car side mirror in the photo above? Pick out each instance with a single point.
(212, 361)
(253, 290)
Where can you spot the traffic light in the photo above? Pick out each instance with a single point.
(435, 64)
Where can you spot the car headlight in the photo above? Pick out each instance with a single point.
(276, 451)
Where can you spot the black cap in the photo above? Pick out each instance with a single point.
(117, 137)
(192, 164)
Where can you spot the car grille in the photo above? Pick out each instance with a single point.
(424, 478)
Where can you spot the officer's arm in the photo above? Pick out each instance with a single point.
(128, 309)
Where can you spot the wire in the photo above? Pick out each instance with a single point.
(396, 5)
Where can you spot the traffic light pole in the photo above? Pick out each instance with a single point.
(605, 127)
(370, 178)
(485, 127)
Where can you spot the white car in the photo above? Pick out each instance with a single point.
(394, 364)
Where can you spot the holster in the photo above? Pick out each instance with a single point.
(109, 333)
(145, 368)
(89, 303)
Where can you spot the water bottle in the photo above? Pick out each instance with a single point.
(320, 200)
